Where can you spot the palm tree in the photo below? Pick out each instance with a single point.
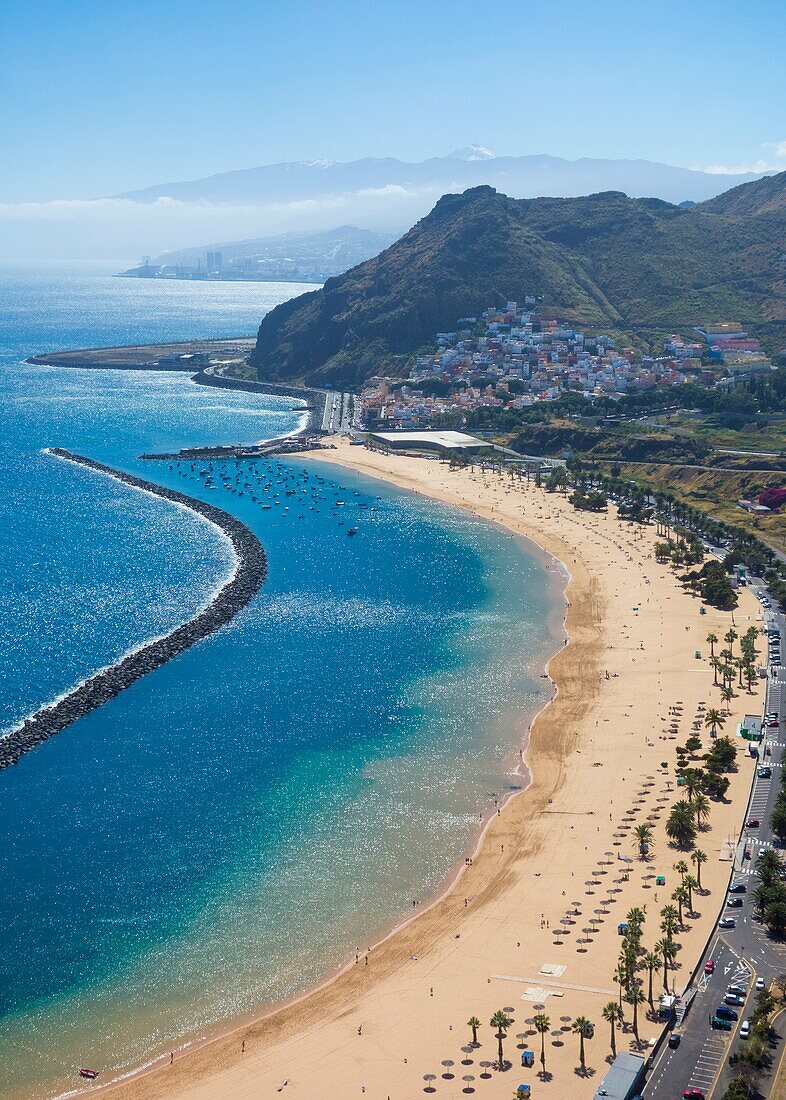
(698, 857)
(501, 1022)
(542, 1025)
(681, 868)
(621, 977)
(727, 695)
(701, 808)
(769, 865)
(652, 963)
(635, 917)
(690, 884)
(669, 922)
(613, 1014)
(680, 895)
(680, 826)
(664, 949)
(585, 1029)
(730, 637)
(716, 664)
(474, 1023)
(692, 785)
(712, 639)
(714, 719)
(635, 997)
(643, 837)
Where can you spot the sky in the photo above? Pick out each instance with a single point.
(98, 98)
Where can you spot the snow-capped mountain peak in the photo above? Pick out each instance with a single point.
(471, 152)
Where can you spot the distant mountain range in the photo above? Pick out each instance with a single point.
(638, 267)
(520, 177)
(307, 257)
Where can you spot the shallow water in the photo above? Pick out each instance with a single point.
(235, 824)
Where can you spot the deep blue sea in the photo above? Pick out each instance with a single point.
(228, 830)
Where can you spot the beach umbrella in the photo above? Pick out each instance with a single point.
(448, 1063)
(469, 1079)
(486, 1066)
(428, 1078)
(509, 1010)
(466, 1060)
(522, 1035)
(538, 1008)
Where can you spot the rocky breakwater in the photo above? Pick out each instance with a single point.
(109, 682)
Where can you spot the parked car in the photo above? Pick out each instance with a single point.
(738, 888)
(693, 1094)
(675, 1039)
(740, 990)
(745, 1029)
(752, 823)
(734, 903)
(717, 1023)
(734, 999)
(764, 772)
(727, 922)
(709, 966)
(726, 1013)
(760, 983)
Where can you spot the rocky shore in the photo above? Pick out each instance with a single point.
(105, 685)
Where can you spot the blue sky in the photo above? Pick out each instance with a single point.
(97, 98)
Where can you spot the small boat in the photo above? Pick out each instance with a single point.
(352, 531)
(90, 1074)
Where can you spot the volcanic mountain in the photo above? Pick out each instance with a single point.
(640, 268)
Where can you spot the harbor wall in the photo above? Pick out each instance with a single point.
(241, 587)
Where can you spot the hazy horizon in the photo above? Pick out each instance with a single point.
(98, 101)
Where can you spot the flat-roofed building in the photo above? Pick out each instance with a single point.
(441, 441)
(624, 1079)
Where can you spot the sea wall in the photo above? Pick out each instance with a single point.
(315, 398)
(105, 685)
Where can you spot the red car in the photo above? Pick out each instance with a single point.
(752, 823)
(693, 1094)
(709, 966)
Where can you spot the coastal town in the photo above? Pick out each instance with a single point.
(515, 357)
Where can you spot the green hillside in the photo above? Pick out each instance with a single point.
(639, 267)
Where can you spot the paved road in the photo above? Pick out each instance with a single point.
(337, 416)
(741, 954)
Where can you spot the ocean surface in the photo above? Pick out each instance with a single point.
(231, 828)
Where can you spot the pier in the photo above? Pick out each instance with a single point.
(241, 587)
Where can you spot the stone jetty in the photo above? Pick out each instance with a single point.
(105, 685)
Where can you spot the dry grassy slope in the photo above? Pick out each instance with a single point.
(717, 492)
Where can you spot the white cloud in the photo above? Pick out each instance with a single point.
(775, 161)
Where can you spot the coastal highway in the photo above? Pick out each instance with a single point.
(338, 413)
(741, 954)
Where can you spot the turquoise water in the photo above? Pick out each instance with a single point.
(233, 826)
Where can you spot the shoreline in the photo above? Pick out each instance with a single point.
(230, 597)
(514, 764)
(165, 358)
(528, 826)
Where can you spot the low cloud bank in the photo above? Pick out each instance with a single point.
(105, 229)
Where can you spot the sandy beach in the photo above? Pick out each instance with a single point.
(532, 919)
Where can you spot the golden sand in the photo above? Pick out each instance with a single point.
(497, 939)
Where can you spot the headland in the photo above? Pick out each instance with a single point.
(531, 918)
